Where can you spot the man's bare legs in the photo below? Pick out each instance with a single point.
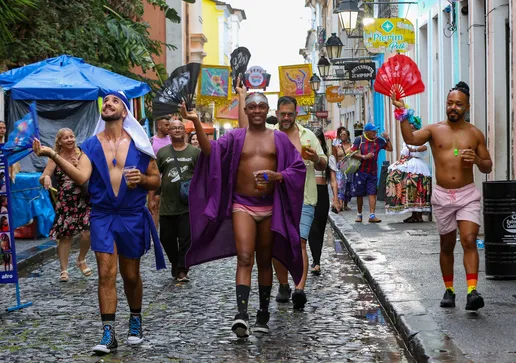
(133, 287)
(372, 204)
(244, 229)
(468, 237)
(264, 243)
(282, 274)
(107, 267)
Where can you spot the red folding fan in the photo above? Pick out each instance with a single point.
(399, 75)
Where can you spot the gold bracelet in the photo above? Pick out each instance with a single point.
(53, 155)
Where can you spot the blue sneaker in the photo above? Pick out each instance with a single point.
(135, 335)
(108, 344)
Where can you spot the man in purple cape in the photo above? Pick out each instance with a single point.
(246, 195)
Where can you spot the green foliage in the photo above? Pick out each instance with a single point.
(105, 33)
(10, 14)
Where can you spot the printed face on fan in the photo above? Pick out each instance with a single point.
(456, 106)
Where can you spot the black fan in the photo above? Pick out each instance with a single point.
(239, 61)
(180, 87)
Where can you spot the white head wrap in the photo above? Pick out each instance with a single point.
(131, 126)
(257, 98)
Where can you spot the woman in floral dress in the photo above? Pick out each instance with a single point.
(409, 181)
(341, 146)
(72, 207)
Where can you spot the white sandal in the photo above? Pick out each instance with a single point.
(87, 271)
(63, 276)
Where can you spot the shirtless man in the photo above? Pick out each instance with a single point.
(248, 186)
(456, 147)
(120, 222)
(306, 143)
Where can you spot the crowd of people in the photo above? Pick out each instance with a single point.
(260, 193)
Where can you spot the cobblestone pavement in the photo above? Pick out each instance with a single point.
(343, 322)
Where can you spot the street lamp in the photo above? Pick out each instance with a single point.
(348, 14)
(315, 82)
(334, 46)
(324, 67)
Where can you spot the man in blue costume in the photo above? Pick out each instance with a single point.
(121, 225)
(246, 196)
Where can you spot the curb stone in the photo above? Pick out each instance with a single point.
(35, 255)
(420, 332)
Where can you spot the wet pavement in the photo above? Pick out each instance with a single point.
(401, 262)
(342, 322)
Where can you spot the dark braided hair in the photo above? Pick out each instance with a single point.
(320, 136)
(461, 87)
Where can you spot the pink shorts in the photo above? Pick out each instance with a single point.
(259, 213)
(452, 205)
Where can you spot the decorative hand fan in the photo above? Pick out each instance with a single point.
(239, 61)
(180, 87)
(399, 75)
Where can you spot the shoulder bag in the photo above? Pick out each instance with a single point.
(350, 164)
(184, 187)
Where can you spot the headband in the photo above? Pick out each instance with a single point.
(257, 98)
(122, 97)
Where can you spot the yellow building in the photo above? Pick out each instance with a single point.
(221, 25)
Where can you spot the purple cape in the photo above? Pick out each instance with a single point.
(211, 202)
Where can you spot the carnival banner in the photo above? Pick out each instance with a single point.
(8, 271)
(389, 35)
(295, 82)
(214, 85)
(228, 112)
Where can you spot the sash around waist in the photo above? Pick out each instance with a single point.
(119, 211)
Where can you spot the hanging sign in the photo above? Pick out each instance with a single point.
(334, 94)
(389, 35)
(361, 71)
(257, 78)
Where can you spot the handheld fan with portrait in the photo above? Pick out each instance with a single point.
(180, 87)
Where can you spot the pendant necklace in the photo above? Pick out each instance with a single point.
(116, 149)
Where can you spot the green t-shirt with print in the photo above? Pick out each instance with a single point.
(170, 204)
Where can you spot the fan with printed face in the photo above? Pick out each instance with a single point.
(180, 87)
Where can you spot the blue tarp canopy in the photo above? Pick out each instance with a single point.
(67, 78)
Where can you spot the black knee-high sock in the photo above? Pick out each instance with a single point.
(242, 293)
(265, 296)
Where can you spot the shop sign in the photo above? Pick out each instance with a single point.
(334, 94)
(361, 71)
(389, 35)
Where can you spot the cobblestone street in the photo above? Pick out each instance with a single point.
(342, 322)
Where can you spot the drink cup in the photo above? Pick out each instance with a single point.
(259, 185)
(124, 173)
(305, 145)
(465, 164)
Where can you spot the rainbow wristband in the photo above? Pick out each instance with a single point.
(402, 114)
